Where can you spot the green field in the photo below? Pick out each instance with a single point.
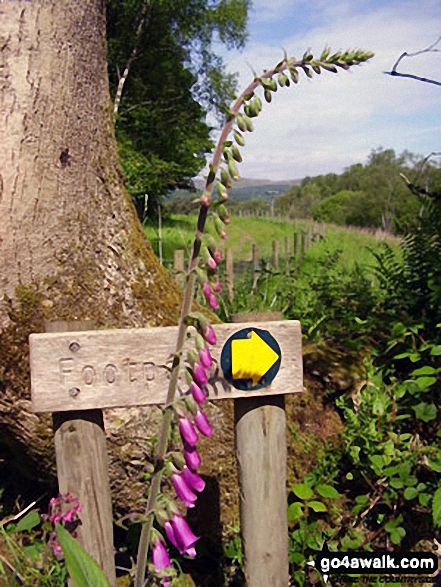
(178, 232)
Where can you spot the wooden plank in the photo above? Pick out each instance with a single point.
(260, 432)
(82, 470)
(123, 368)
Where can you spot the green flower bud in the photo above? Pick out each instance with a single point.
(221, 190)
(232, 170)
(273, 85)
(294, 74)
(223, 212)
(241, 122)
(236, 154)
(329, 67)
(249, 124)
(238, 138)
(268, 96)
(283, 80)
(225, 178)
(218, 225)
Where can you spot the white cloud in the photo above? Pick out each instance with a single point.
(328, 123)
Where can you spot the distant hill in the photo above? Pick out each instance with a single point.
(246, 189)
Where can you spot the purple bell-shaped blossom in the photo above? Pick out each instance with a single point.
(192, 457)
(202, 423)
(161, 559)
(217, 255)
(183, 534)
(188, 433)
(205, 358)
(180, 535)
(192, 479)
(206, 290)
(197, 393)
(213, 303)
(217, 287)
(183, 491)
(209, 335)
(199, 375)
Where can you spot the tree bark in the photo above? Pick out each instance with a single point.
(71, 246)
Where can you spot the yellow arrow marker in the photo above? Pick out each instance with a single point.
(251, 358)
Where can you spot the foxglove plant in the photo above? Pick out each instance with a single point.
(202, 271)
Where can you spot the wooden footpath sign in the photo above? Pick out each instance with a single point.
(125, 368)
(75, 374)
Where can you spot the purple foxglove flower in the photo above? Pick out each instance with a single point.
(192, 457)
(218, 287)
(191, 552)
(171, 534)
(188, 433)
(183, 534)
(206, 290)
(205, 200)
(211, 262)
(217, 256)
(183, 491)
(209, 335)
(213, 302)
(202, 423)
(193, 480)
(223, 234)
(161, 560)
(205, 358)
(197, 393)
(199, 375)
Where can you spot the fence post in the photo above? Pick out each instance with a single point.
(260, 424)
(82, 467)
(179, 266)
(256, 268)
(296, 243)
(276, 254)
(229, 267)
(287, 253)
(303, 245)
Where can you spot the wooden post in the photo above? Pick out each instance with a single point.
(260, 424)
(276, 254)
(229, 267)
(256, 268)
(179, 266)
(296, 243)
(82, 468)
(287, 253)
(303, 245)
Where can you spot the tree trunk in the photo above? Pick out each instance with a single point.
(71, 246)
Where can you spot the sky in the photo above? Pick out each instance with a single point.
(326, 124)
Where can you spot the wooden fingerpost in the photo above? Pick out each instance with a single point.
(229, 268)
(260, 424)
(82, 463)
(276, 254)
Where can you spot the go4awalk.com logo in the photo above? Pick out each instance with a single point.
(375, 563)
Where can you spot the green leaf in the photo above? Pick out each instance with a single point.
(397, 534)
(327, 491)
(295, 512)
(317, 506)
(435, 351)
(302, 491)
(83, 569)
(410, 493)
(425, 412)
(436, 507)
(427, 370)
(30, 521)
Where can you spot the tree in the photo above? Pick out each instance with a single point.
(165, 78)
(71, 245)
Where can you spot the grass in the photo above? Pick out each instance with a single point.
(178, 232)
